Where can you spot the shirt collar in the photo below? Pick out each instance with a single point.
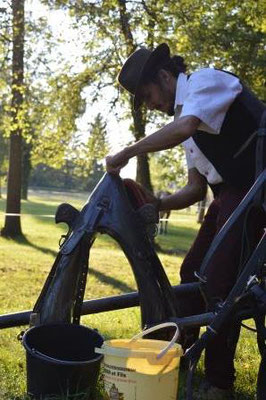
(181, 89)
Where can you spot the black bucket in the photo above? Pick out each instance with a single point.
(61, 361)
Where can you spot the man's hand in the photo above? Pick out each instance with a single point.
(116, 162)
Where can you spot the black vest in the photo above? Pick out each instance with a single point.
(233, 151)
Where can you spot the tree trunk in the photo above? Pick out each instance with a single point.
(139, 118)
(143, 169)
(26, 169)
(12, 226)
(143, 172)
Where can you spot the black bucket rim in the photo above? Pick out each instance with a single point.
(35, 353)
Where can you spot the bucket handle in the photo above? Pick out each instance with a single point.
(155, 328)
(55, 360)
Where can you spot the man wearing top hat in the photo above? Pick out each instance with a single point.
(215, 117)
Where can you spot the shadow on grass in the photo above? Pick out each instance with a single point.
(24, 241)
(111, 281)
(176, 252)
(99, 275)
(177, 241)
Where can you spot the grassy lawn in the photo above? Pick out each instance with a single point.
(24, 265)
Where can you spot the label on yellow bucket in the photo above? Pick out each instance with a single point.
(122, 383)
(132, 371)
(119, 382)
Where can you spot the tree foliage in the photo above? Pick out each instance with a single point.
(52, 94)
(3, 157)
(82, 165)
(168, 169)
(57, 113)
(115, 30)
(226, 34)
(87, 157)
(12, 226)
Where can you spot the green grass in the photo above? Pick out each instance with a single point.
(25, 263)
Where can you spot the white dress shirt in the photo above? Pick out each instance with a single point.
(207, 95)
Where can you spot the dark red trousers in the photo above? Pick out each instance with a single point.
(221, 274)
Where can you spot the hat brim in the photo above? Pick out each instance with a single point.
(159, 54)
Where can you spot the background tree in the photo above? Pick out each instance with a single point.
(208, 33)
(225, 34)
(15, 115)
(115, 29)
(88, 157)
(3, 158)
(59, 109)
(51, 98)
(12, 226)
(82, 165)
(221, 34)
(4, 53)
(26, 168)
(169, 172)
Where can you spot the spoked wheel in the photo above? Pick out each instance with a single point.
(261, 383)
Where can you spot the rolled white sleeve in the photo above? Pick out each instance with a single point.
(196, 159)
(209, 95)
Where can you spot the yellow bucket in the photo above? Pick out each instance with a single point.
(141, 369)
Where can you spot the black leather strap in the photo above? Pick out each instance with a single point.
(260, 199)
(261, 146)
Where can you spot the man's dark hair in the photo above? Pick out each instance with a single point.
(175, 65)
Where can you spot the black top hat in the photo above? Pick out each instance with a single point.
(137, 67)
